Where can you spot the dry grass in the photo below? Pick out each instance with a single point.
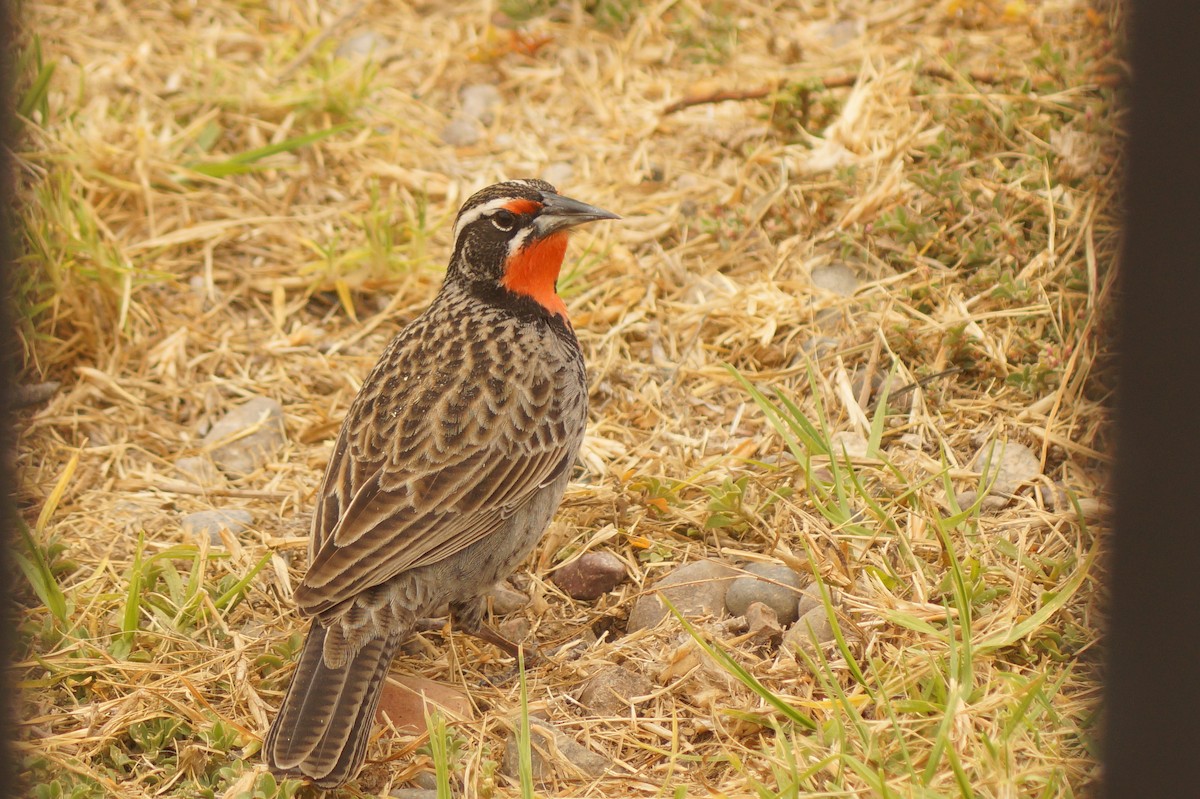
(960, 162)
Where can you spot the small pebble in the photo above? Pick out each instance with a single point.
(404, 700)
(848, 442)
(244, 452)
(414, 793)
(772, 584)
(835, 277)
(1009, 465)
(696, 589)
(840, 33)
(818, 347)
(462, 132)
(590, 576)
(211, 522)
(763, 624)
(611, 690)
(478, 100)
(33, 393)
(809, 632)
(515, 629)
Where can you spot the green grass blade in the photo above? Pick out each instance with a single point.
(744, 677)
(439, 750)
(41, 579)
(878, 419)
(1028, 625)
(774, 418)
(814, 438)
(238, 590)
(36, 96)
(524, 746)
(247, 161)
(131, 614)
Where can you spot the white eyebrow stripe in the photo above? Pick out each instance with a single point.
(470, 216)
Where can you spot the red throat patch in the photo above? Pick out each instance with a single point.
(533, 271)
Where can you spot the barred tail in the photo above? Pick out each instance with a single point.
(325, 720)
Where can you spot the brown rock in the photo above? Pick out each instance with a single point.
(590, 576)
(612, 689)
(506, 600)
(404, 700)
(763, 624)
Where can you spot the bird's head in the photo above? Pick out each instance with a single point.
(510, 238)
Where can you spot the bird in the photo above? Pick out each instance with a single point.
(450, 462)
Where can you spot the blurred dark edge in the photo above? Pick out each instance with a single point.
(1152, 695)
(1152, 692)
(9, 349)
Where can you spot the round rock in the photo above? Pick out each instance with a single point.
(695, 589)
(835, 277)
(590, 576)
(248, 436)
(810, 632)
(776, 586)
(611, 690)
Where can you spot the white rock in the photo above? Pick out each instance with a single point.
(246, 437)
(211, 522)
(835, 277)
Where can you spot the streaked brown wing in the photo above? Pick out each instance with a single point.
(384, 509)
(384, 533)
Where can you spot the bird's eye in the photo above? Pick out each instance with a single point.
(504, 220)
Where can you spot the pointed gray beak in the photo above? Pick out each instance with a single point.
(560, 213)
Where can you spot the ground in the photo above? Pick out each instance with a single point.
(224, 201)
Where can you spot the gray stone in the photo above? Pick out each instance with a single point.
(612, 689)
(551, 752)
(1008, 465)
(809, 598)
(835, 277)
(478, 100)
(695, 589)
(809, 632)
(774, 585)
(211, 522)
(840, 33)
(462, 132)
(33, 393)
(590, 576)
(246, 437)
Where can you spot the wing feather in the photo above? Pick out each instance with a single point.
(411, 482)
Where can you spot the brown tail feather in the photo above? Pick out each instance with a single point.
(324, 723)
